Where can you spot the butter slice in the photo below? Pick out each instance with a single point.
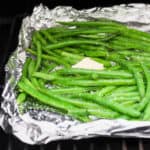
(88, 63)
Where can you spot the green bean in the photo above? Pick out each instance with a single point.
(25, 67)
(48, 57)
(93, 48)
(49, 37)
(127, 52)
(70, 102)
(112, 105)
(140, 82)
(46, 64)
(31, 68)
(68, 90)
(34, 81)
(27, 81)
(126, 117)
(70, 43)
(41, 83)
(40, 38)
(121, 99)
(90, 34)
(146, 98)
(45, 69)
(112, 98)
(102, 82)
(54, 76)
(86, 30)
(79, 117)
(21, 98)
(130, 43)
(123, 89)
(69, 61)
(131, 40)
(71, 56)
(73, 50)
(105, 90)
(117, 47)
(100, 73)
(91, 107)
(115, 58)
(82, 104)
(116, 67)
(111, 36)
(128, 103)
(79, 32)
(146, 115)
(136, 34)
(127, 94)
(46, 99)
(96, 53)
(141, 58)
(48, 67)
(102, 36)
(34, 40)
(134, 53)
(39, 56)
(44, 76)
(138, 77)
(55, 30)
(103, 114)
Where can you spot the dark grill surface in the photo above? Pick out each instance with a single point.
(11, 143)
(9, 28)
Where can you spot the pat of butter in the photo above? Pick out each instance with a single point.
(88, 63)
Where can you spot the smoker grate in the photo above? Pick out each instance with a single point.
(88, 144)
(9, 28)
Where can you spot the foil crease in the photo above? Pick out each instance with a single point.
(41, 127)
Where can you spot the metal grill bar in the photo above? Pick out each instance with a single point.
(14, 144)
(42, 148)
(9, 143)
(124, 145)
(141, 147)
(25, 147)
(91, 146)
(58, 146)
(108, 146)
(74, 147)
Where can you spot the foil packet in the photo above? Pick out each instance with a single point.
(41, 127)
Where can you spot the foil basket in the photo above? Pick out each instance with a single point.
(41, 127)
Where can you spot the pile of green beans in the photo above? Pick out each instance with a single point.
(120, 90)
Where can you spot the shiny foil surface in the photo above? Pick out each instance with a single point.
(41, 127)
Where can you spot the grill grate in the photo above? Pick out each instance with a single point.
(89, 144)
(9, 142)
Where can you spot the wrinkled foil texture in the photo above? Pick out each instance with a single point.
(41, 127)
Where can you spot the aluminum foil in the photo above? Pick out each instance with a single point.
(41, 127)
